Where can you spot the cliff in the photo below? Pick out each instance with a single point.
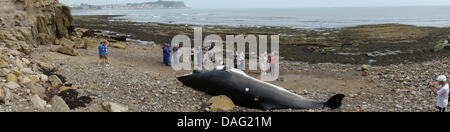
(28, 23)
(24, 25)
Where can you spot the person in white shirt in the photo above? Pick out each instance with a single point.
(442, 92)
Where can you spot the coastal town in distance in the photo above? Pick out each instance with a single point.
(160, 4)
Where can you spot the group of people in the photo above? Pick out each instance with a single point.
(268, 63)
(166, 54)
(103, 53)
(441, 90)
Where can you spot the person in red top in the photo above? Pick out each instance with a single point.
(272, 64)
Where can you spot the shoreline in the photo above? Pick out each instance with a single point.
(368, 44)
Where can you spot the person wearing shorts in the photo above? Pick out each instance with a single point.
(103, 53)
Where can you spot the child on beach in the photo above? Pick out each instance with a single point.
(103, 53)
(442, 92)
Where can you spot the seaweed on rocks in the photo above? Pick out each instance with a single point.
(72, 100)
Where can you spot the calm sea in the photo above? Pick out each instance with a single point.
(310, 18)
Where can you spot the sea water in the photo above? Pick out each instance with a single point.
(308, 18)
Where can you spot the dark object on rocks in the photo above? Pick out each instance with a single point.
(89, 33)
(71, 98)
(53, 71)
(119, 38)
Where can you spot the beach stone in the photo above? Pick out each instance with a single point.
(26, 61)
(364, 67)
(68, 50)
(27, 71)
(37, 90)
(55, 81)
(45, 66)
(35, 78)
(4, 72)
(3, 64)
(38, 102)
(79, 43)
(12, 85)
(11, 78)
(365, 73)
(221, 103)
(24, 80)
(5, 94)
(18, 63)
(43, 77)
(17, 73)
(59, 105)
(114, 107)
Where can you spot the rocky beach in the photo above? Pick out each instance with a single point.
(49, 60)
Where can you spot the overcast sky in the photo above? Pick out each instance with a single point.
(279, 3)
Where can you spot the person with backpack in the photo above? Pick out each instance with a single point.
(442, 92)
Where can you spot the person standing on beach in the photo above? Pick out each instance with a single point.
(103, 53)
(175, 54)
(442, 92)
(166, 54)
(199, 56)
(272, 64)
(263, 63)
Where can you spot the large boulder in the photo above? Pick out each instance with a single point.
(55, 81)
(114, 107)
(118, 45)
(45, 66)
(59, 105)
(38, 102)
(221, 103)
(79, 43)
(68, 50)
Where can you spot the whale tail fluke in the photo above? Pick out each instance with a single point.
(335, 101)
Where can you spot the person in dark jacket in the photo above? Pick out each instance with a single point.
(166, 54)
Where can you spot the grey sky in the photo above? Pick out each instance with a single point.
(279, 3)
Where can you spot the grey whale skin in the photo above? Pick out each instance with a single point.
(250, 92)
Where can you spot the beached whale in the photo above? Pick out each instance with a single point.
(247, 91)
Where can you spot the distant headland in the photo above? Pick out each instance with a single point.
(160, 4)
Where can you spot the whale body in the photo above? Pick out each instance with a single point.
(247, 91)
